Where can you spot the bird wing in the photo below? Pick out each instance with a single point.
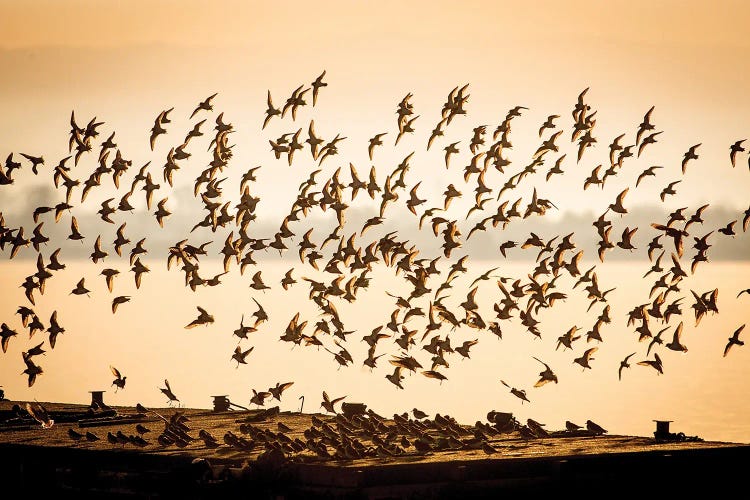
(285, 386)
(677, 333)
(115, 371)
(542, 362)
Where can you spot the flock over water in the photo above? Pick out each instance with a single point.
(418, 335)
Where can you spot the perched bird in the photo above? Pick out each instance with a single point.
(595, 428)
(571, 427)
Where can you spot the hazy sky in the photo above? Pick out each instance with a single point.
(125, 61)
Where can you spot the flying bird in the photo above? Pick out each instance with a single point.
(689, 155)
(545, 376)
(167, 391)
(519, 393)
(624, 364)
(734, 340)
(240, 355)
(119, 300)
(203, 319)
(734, 149)
(586, 357)
(316, 86)
(204, 105)
(328, 403)
(278, 389)
(119, 380)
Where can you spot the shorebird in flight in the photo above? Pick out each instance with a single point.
(328, 403)
(624, 364)
(734, 340)
(119, 380)
(167, 391)
(519, 393)
(203, 319)
(546, 375)
(204, 105)
(655, 363)
(240, 355)
(278, 389)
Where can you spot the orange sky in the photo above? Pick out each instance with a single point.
(125, 61)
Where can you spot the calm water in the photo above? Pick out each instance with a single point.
(704, 393)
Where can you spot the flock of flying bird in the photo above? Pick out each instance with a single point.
(346, 269)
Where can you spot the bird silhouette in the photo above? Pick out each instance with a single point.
(734, 340)
(279, 389)
(519, 393)
(239, 355)
(204, 318)
(328, 403)
(204, 105)
(119, 380)
(624, 364)
(167, 391)
(546, 375)
(584, 359)
(689, 155)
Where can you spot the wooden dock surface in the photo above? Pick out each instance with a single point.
(383, 463)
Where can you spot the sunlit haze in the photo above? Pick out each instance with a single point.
(125, 63)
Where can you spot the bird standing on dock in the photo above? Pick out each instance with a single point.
(571, 427)
(595, 428)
